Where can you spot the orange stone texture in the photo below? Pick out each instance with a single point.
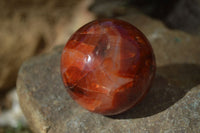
(107, 66)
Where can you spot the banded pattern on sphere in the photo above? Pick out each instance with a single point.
(107, 66)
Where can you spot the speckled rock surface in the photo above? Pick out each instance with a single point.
(172, 105)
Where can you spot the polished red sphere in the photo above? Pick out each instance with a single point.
(107, 66)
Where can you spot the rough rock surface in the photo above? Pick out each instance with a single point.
(30, 27)
(172, 105)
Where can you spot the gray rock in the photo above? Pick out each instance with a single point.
(172, 105)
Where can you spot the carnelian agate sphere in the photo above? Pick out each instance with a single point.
(107, 66)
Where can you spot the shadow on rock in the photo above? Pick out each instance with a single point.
(171, 83)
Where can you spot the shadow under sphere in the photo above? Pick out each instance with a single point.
(171, 83)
